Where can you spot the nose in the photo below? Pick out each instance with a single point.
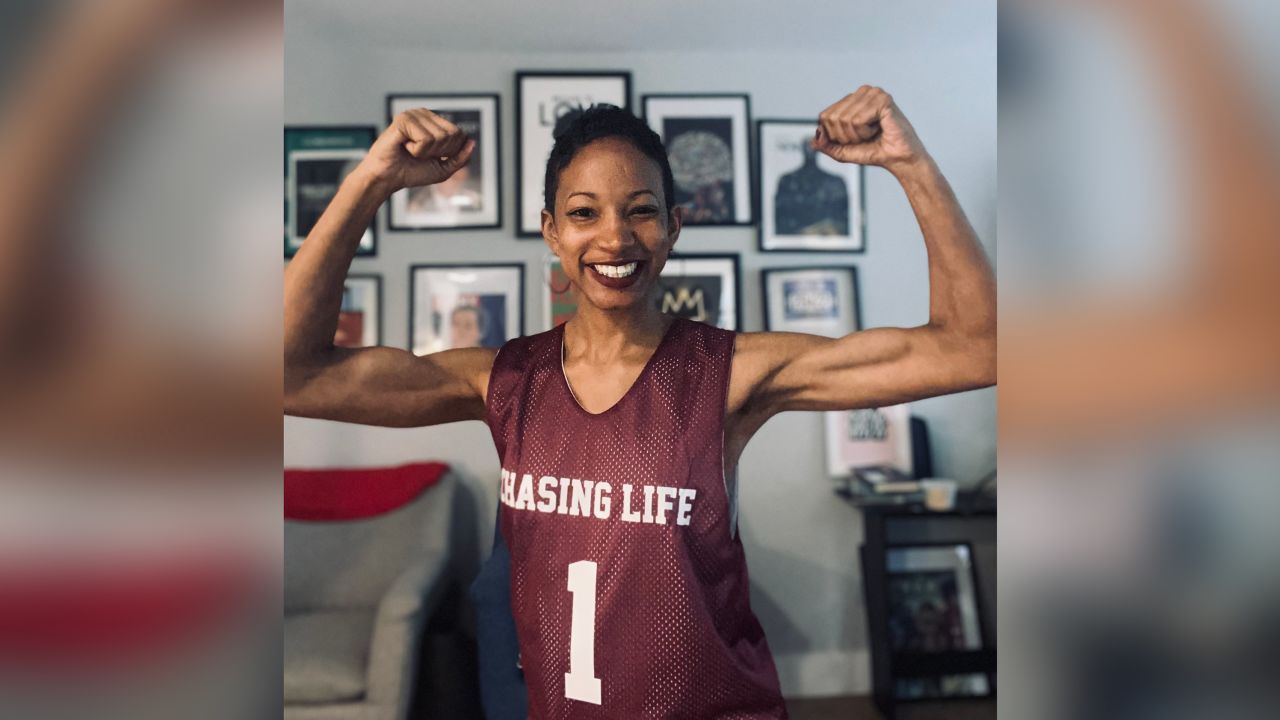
(615, 234)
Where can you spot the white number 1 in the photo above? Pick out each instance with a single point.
(581, 683)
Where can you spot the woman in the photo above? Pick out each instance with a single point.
(618, 430)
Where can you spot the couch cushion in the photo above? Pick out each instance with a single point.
(326, 656)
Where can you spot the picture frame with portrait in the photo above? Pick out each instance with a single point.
(472, 197)
(808, 201)
(360, 316)
(316, 160)
(464, 305)
(706, 287)
(542, 97)
(708, 145)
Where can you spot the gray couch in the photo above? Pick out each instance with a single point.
(357, 596)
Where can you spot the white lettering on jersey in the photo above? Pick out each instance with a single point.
(628, 514)
(594, 499)
(686, 505)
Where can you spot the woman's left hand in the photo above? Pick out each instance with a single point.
(867, 128)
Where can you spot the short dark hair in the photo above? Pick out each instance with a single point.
(580, 127)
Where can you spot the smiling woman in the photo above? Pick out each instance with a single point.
(629, 589)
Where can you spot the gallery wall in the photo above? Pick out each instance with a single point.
(801, 541)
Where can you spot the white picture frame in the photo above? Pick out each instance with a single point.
(707, 138)
(542, 97)
(472, 197)
(808, 201)
(493, 291)
(360, 317)
(871, 436)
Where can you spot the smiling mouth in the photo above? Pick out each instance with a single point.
(617, 271)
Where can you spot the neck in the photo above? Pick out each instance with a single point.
(605, 336)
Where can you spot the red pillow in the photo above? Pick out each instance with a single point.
(354, 493)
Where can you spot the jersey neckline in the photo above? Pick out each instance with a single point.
(648, 365)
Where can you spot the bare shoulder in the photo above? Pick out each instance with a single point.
(476, 366)
(757, 357)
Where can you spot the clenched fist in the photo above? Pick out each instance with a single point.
(419, 148)
(868, 128)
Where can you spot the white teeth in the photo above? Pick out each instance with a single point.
(615, 271)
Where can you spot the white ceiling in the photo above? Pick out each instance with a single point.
(644, 25)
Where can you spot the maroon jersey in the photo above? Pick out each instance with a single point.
(628, 584)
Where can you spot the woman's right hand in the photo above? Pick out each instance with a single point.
(419, 148)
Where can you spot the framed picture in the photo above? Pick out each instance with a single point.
(933, 608)
(808, 202)
(472, 197)
(560, 301)
(702, 287)
(706, 141)
(541, 98)
(871, 436)
(360, 320)
(814, 300)
(316, 159)
(465, 305)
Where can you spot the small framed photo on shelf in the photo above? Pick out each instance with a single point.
(471, 197)
(316, 160)
(814, 300)
(808, 202)
(869, 436)
(706, 137)
(561, 299)
(465, 305)
(932, 605)
(702, 286)
(360, 320)
(542, 97)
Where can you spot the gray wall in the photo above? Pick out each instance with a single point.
(801, 541)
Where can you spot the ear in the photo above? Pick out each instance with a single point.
(549, 233)
(675, 221)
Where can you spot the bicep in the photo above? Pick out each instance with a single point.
(393, 387)
(869, 368)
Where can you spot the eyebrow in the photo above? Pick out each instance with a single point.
(593, 196)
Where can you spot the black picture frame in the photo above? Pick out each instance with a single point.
(419, 346)
(935, 664)
(856, 218)
(320, 140)
(735, 259)
(376, 279)
(490, 152)
(766, 273)
(741, 152)
(524, 181)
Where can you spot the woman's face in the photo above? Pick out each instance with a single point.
(611, 228)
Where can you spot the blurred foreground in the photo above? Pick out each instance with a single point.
(1139, 360)
(139, 362)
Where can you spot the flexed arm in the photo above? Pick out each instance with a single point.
(953, 351)
(382, 385)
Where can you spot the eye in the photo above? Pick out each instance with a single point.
(645, 210)
(581, 212)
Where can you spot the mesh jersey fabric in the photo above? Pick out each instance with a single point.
(628, 586)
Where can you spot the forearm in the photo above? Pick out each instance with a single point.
(313, 280)
(962, 291)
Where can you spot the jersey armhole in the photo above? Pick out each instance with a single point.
(488, 389)
(730, 484)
